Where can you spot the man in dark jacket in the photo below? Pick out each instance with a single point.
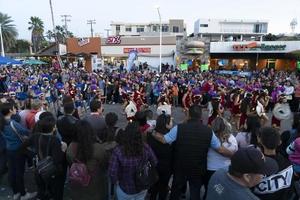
(96, 119)
(193, 139)
(66, 124)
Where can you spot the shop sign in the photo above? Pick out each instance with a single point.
(83, 41)
(139, 50)
(255, 46)
(113, 40)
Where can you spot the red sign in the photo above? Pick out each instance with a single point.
(139, 50)
(113, 40)
(244, 47)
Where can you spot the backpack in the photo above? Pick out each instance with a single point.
(79, 174)
(45, 166)
(145, 175)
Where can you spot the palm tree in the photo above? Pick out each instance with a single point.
(9, 31)
(37, 28)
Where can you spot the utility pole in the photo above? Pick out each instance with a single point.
(2, 45)
(107, 32)
(65, 19)
(91, 22)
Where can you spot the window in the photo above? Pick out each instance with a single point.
(155, 29)
(165, 28)
(128, 29)
(140, 29)
(175, 29)
(257, 28)
(118, 27)
(203, 25)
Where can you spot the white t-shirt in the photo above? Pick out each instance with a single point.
(216, 161)
(243, 139)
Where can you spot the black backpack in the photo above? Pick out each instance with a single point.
(145, 175)
(45, 166)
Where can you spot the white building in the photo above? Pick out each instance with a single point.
(230, 30)
(175, 27)
(116, 49)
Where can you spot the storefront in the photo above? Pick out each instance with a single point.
(116, 49)
(254, 55)
(86, 51)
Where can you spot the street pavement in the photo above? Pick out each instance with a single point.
(178, 117)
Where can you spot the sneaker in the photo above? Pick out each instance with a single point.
(16, 196)
(28, 196)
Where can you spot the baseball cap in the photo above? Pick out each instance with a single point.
(252, 160)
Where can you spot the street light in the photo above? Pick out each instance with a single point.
(2, 45)
(160, 37)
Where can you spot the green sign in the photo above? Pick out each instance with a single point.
(204, 67)
(298, 65)
(265, 47)
(183, 66)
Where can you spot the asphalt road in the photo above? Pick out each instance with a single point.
(177, 114)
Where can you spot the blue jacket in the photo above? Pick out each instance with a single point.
(13, 142)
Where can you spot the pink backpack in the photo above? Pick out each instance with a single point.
(79, 174)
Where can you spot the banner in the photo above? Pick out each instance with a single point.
(234, 73)
(276, 182)
(184, 66)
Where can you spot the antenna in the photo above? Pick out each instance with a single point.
(293, 24)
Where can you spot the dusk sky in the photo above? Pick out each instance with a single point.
(279, 13)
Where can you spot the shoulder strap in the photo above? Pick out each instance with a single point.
(15, 131)
(40, 148)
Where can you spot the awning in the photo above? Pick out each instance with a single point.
(9, 61)
(34, 62)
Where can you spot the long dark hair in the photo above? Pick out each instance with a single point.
(161, 122)
(86, 139)
(253, 126)
(110, 120)
(132, 140)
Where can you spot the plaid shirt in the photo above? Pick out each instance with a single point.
(122, 168)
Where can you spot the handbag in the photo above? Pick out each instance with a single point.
(45, 166)
(29, 151)
(146, 174)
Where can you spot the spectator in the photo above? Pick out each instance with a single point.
(95, 118)
(216, 161)
(163, 153)
(30, 118)
(92, 154)
(269, 139)
(249, 135)
(193, 140)
(11, 131)
(65, 124)
(247, 169)
(47, 144)
(125, 160)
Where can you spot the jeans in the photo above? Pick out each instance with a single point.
(123, 196)
(161, 188)
(16, 169)
(180, 180)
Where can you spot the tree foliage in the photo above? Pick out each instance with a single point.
(9, 31)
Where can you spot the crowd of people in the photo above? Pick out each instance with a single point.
(52, 121)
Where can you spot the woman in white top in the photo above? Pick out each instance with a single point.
(248, 135)
(216, 161)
